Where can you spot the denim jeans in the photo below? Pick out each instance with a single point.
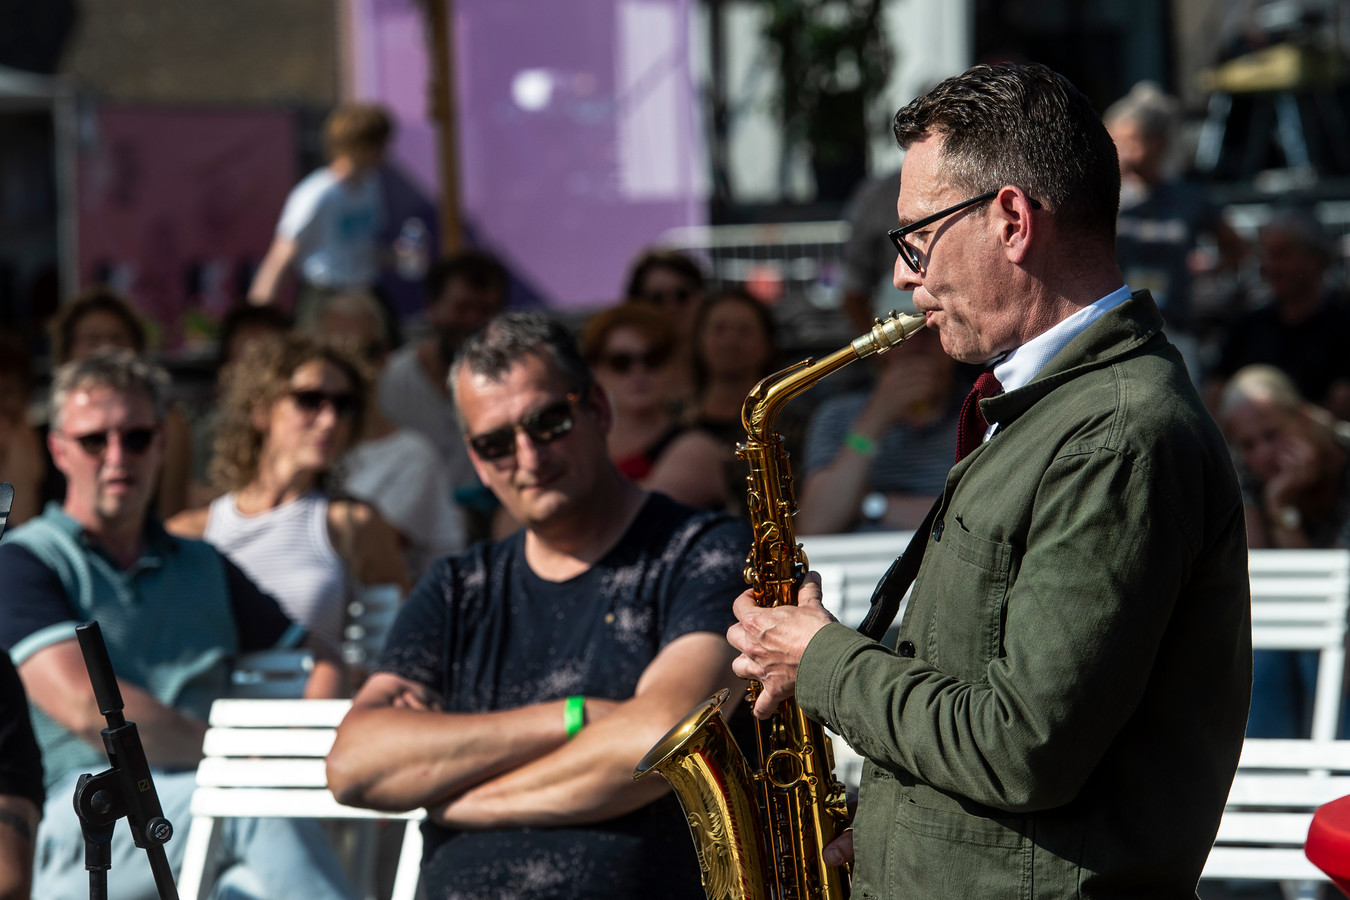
(1284, 683)
(262, 859)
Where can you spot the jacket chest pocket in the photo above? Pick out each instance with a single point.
(965, 630)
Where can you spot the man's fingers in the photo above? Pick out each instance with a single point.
(840, 850)
(810, 593)
(766, 703)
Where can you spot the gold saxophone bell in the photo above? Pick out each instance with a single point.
(760, 833)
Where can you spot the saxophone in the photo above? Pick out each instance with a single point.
(760, 833)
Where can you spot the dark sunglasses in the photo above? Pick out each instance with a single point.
(907, 251)
(133, 440)
(623, 363)
(543, 427)
(312, 401)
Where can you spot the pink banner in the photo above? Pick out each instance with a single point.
(176, 208)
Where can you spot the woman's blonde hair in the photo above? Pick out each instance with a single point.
(261, 377)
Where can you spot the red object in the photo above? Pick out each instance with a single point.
(1328, 845)
(971, 426)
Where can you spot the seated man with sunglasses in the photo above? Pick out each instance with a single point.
(173, 612)
(525, 678)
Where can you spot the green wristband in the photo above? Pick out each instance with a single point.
(574, 715)
(864, 445)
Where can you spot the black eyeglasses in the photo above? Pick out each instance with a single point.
(133, 440)
(312, 401)
(907, 251)
(543, 427)
(623, 363)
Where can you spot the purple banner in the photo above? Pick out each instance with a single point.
(579, 136)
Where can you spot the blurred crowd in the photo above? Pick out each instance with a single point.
(329, 455)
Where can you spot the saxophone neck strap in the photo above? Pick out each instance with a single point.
(893, 585)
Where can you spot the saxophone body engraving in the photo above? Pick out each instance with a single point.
(760, 831)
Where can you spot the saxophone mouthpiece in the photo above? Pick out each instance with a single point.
(886, 333)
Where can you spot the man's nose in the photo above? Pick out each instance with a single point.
(905, 278)
(527, 451)
(115, 452)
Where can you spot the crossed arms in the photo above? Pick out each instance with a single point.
(514, 768)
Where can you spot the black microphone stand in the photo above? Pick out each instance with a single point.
(124, 789)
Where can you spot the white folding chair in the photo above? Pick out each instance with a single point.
(266, 758)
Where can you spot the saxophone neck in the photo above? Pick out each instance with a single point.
(769, 396)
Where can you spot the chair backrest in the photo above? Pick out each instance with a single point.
(269, 754)
(1279, 784)
(266, 758)
(850, 565)
(1300, 600)
(271, 674)
(370, 616)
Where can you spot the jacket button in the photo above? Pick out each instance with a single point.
(906, 649)
(937, 530)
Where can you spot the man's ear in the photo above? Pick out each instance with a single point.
(57, 448)
(480, 468)
(1017, 226)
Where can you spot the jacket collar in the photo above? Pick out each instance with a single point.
(1122, 332)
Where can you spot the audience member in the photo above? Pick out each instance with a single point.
(21, 794)
(629, 348)
(173, 613)
(869, 255)
(463, 292)
(330, 225)
(23, 463)
(242, 326)
(1305, 328)
(525, 679)
(291, 407)
(395, 470)
(1296, 483)
(1162, 217)
(100, 320)
(674, 282)
(876, 458)
(735, 345)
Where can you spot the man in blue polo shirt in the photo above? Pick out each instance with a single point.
(174, 613)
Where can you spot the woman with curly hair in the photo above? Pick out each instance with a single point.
(291, 407)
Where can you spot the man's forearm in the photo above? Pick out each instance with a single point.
(18, 825)
(170, 737)
(397, 759)
(588, 779)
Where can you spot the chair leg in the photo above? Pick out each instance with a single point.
(200, 858)
(409, 862)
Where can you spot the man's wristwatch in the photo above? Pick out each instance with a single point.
(874, 506)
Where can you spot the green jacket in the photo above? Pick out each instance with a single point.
(1063, 711)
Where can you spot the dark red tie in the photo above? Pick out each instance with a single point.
(971, 426)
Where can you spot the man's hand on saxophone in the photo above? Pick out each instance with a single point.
(771, 641)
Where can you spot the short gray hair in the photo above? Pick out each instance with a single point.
(1260, 383)
(1157, 114)
(120, 370)
(492, 350)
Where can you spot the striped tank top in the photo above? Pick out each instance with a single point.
(288, 554)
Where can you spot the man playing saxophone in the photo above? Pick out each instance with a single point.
(1063, 710)
(525, 678)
